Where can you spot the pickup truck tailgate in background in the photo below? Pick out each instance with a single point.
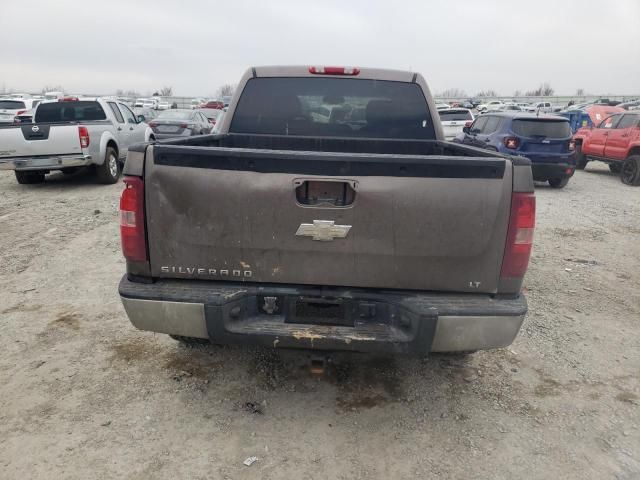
(411, 222)
(32, 140)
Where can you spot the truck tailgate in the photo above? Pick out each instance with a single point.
(33, 139)
(409, 221)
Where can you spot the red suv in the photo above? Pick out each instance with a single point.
(615, 141)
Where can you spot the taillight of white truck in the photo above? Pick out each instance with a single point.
(83, 134)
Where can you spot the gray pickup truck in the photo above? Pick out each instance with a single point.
(69, 134)
(327, 214)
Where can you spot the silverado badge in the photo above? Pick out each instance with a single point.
(323, 230)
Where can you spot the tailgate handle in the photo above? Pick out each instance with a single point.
(325, 193)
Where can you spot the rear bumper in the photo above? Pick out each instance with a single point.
(45, 163)
(378, 321)
(545, 171)
(164, 136)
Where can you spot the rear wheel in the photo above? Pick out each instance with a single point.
(581, 159)
(615, 167)
(630, 174)
(109, 171)
(558, 182)
(28, 178)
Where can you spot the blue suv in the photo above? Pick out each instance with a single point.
(546, 140)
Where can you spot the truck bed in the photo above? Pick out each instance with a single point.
(414, 214)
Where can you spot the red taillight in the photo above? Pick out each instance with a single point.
(468, 124)
(132, 230)
(520, 235)
(511, 142)
(20, 112)
(68, 99)
(153, 124)
(334, 70)
(83, 133)
(572, 145)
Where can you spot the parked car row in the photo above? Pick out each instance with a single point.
(543, 106)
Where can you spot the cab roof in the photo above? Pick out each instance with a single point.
(363, 73)
(525, 116)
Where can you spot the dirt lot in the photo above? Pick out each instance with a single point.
(84, 395)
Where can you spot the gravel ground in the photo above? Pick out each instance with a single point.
(85, 395)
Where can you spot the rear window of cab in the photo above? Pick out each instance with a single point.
(74, 111)
(454, 115)
(337, 107)
(11, 104)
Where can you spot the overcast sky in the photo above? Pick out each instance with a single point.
(93, 46)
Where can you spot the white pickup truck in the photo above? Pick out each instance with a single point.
(70, 134)
(10, 107)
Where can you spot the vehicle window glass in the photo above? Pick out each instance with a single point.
(128, 114)
(453, 115)
(11, 104)
(116, 112)
(628, 121)
(202, 118)
(343, 107)
(611, 122)
(491, 125)
(211, 113)
(478, 125)
(541, 128)
(77, 111)
(176, 114)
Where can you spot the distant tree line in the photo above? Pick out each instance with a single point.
(543, 90)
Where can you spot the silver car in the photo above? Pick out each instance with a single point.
(180, 123)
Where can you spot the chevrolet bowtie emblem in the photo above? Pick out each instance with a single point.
(323, 230)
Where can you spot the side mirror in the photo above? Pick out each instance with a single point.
(141, 119)
(466, 129)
